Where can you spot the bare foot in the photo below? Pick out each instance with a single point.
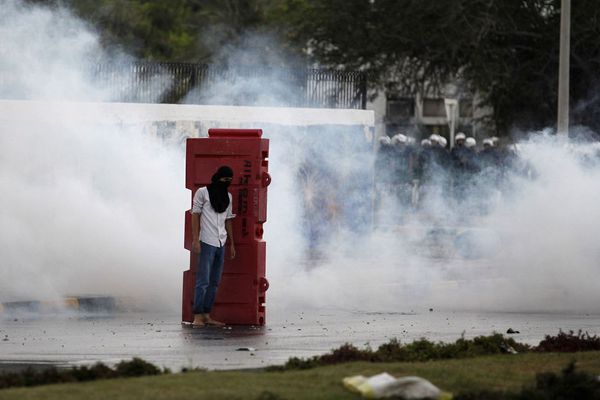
(211, 322)
(199, 320)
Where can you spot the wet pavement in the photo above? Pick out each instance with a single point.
(75, 339)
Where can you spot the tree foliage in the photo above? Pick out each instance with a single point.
(174, 30)
(506, 49)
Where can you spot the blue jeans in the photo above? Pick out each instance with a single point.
(208, 276)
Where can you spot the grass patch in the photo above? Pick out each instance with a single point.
(506, 373)
(569, 384)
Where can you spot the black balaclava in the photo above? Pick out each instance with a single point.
(217, 191)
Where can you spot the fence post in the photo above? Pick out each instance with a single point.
(363, 90)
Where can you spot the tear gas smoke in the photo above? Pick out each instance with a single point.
(525, 242)
(85, 209)
(504, 245)
(99, 209)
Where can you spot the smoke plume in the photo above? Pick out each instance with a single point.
(98, 208)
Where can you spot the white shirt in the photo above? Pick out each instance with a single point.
(212, 223)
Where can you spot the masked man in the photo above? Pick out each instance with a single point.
(211, 227)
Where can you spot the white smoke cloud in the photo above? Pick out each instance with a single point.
(100, 208)
(86, 208)
(535, 247)
(549, 256)
(44, 51)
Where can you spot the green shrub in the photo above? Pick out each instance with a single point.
(419, 350)
(569, 342)
(97, 371)
(136, 367)
(300, 363)
(346, 353)
(391, 351)
(31, 377)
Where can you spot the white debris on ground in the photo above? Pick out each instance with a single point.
(385, 385)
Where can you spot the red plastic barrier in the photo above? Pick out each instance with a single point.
(241, 295)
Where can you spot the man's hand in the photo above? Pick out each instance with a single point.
(231, 251)
(196, 246)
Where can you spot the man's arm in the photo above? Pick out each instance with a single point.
(229, 229)
(196, 233)
(197, 207)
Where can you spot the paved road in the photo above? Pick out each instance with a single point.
(75, 339)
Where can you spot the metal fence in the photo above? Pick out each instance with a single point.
(165, 82)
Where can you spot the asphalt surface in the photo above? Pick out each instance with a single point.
(68, 339)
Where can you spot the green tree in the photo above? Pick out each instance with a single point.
(505, 49)
(174, 30)
(147, 29)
